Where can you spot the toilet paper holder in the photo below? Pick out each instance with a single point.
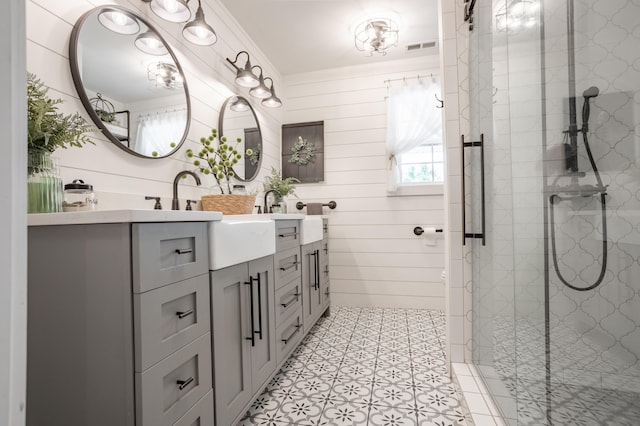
(419, 230)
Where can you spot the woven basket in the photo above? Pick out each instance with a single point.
(228, 203)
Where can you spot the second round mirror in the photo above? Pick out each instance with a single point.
(239, 120)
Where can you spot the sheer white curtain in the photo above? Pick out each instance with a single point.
(157, 131)
(412, 120)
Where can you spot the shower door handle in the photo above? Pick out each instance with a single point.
(466, 234)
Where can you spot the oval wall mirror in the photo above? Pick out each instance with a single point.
(239, 120)
(130, 82)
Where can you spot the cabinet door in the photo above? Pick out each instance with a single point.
(311, 277)
(231, 344)
(263, 349)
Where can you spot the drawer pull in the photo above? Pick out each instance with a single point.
(290, 234)
(297, 327)
(184, 251)
(184, 383)
(184, 314)
(294, 299)
(289, 267)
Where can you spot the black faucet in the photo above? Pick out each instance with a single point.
(266, 208)
(175, 203)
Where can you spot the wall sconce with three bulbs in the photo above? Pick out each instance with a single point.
(245, 77)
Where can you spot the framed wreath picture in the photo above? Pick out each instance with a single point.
(303, 151)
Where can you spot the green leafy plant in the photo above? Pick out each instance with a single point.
(48, 129)
(217, 158)
(283, 186)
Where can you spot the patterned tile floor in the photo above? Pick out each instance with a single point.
(365, 366)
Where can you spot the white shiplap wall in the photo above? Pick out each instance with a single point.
(375, 259)
(122, 179)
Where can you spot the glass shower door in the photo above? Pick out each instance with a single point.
(555, 90)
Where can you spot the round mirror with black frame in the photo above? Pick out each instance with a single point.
(130, 82)
(239, 120)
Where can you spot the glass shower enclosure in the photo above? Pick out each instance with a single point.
(554, 88)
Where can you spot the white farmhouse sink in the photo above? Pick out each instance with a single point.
(310, 229)
(234, 241)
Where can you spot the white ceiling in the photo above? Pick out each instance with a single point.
(310, 35)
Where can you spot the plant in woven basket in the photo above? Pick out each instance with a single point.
(217, 158)
(283, 186)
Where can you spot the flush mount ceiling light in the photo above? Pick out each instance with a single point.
(376, 36)
(119, 21)
(164, 75)
(516, 15)
(198, 31)
(150, 43)
(244, 76)
(261, 91)
(272, 101)
(171, 10)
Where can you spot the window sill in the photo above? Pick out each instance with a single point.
(414, 190)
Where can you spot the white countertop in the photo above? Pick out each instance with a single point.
(272, 216)
(121, 216)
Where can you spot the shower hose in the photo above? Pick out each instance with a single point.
(603, 208)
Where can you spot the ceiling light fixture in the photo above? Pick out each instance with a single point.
(244, 76)
(518, 14)
(261, 91)
(165, 75)
(150, 43)
(376, 36)
(198, 31)
(272, 101)
(119, 21)
(171, 10)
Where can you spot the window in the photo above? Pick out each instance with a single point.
(414, 137)
(423, 164)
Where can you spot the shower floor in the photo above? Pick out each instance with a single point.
(365, 366)
(585, 389)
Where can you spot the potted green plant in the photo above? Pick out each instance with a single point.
(216, 158)
(48, 130)
(284, 187)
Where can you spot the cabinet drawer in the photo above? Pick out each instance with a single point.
(325, 228)
(288, 299)
(164, 253)
(168, 318)
(287, 265)
(287, 234)
(166, 391)
(200, 415)
(288, 335)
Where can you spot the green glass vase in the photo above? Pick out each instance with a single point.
(44, 184)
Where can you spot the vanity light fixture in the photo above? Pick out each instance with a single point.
(198, 31)
(376, 36)
(272, 101)
(165, 75)
(244, 76)
(149, 42)
(171, 10)
(240, 105)
(261, 91)
(119, 21)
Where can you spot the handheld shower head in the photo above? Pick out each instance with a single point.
(591, 92)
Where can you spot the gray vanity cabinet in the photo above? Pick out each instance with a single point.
(244, 349)
(325, 290)
(118, 325)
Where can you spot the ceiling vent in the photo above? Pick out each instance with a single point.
(418, 46)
